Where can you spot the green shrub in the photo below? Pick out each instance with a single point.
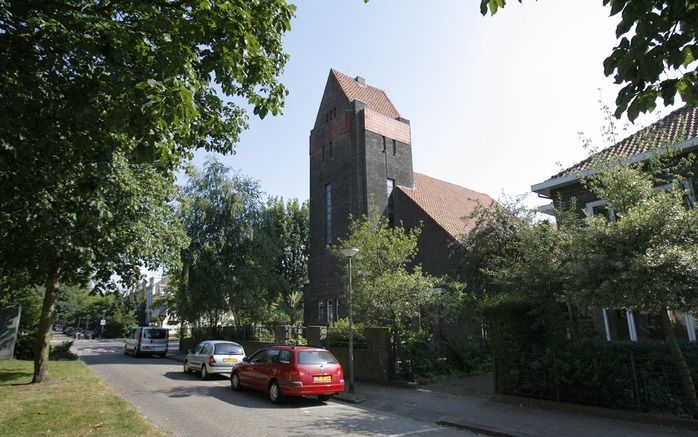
(62, 352)
(338, 333)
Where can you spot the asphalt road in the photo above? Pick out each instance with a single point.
(184, 405)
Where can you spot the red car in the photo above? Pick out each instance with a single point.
(290, 371)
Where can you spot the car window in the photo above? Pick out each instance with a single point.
(209, 349)
(260, 357)
(316, 357)
(155, 334)
(284, 357)
(273, 355)
(229, 349)
(200, 348)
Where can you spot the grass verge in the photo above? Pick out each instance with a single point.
(75, 402)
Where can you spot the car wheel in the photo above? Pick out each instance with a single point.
(125, 351)
(186, 367)
(235, 381)
(274, 392)
(323, 398)
(204, 372)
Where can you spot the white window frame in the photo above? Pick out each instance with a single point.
(591, 205)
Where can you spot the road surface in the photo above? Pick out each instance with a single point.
(184, 405)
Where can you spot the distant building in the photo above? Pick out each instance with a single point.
(678, 130)
(360, 158)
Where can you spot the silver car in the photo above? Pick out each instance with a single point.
(214, 356)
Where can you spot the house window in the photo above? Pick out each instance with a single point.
(322, 311)
(689, 197)
(394, 148)
(390, 210)
(328, 213)
(601, 207)
(330, 311)
(383, 144)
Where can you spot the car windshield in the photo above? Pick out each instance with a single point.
(316, 357)
(155, 333)
(228, 349)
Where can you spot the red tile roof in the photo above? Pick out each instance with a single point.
(447, 204)
(375, 98)
(675, 128)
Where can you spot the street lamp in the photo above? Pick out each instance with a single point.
(349, 252)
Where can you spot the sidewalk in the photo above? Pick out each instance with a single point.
(490, 417)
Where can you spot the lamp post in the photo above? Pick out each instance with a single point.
(349, 252)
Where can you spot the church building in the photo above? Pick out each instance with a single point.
(361, 158)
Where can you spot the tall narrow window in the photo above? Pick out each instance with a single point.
(390, 210)
(383, 144)
(394, 148)
(331, 151)
(328, 213)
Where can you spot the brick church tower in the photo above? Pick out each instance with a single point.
(361, 158)
(360, 150)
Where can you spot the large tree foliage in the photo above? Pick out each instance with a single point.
(656, 52)
(284, 231)
(244, 256)
(388, 288)
(642, 257)
(219, 212)
(99, 101)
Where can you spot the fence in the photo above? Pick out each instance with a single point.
(614, 376)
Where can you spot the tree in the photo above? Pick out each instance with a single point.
(284, 234)
(656, 53)
(645, 258)
(219, 212)
(388, 288)
(101, 102)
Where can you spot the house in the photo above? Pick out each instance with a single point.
(361, 158)
(678, 130)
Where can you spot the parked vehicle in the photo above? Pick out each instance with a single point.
(147, 340)
(214, 357)
(290, 371)
(58, 327)
(69, 331)
(89, 333)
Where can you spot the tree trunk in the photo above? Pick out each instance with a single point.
(687, 386)
(43, 334)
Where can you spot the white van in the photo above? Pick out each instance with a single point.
(147, 340)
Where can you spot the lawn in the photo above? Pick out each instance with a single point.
(75, 402)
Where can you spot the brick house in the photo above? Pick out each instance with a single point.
(361, 158)
(678, 130)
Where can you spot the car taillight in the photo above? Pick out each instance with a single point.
(294, 375)
(211, 360)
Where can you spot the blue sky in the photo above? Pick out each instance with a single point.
(494, 102)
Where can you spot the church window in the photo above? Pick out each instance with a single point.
(390, 210)
(394, 148)
(328, 213)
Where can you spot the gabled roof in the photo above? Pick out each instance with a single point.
(446, 203)
(375, 98)
(677, 127)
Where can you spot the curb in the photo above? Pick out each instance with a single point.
(595, 411)
(480, 429)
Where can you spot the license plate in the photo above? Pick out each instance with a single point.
(230, 360)
(325, 378)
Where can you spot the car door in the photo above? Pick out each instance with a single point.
(197, 356)
(250, 374)
(267, 370)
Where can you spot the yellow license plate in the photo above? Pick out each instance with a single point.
(230, 360)
(326, 378)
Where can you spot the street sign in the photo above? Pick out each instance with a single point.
(102, 322)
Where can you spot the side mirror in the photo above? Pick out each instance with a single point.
(246, 360)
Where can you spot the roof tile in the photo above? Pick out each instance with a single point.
(680, 125)
(375, 98)
(448, 204)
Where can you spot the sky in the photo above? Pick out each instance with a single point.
(495, 103)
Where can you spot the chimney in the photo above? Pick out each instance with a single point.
(360, 80)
